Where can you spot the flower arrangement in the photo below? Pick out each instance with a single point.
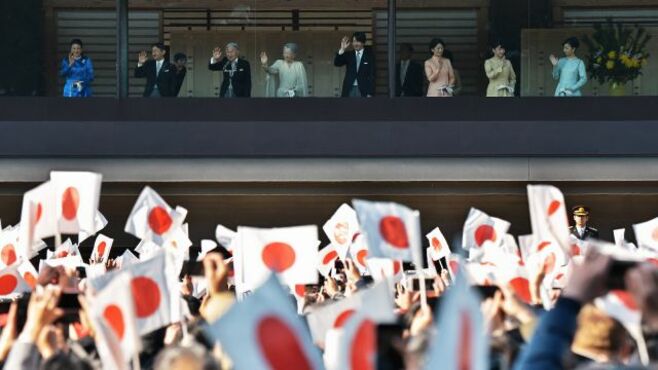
(617, 52)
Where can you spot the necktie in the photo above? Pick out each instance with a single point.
(358, 60)
(158, 65)
(403, 70)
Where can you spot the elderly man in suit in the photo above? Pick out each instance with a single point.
(408, 73)
(581, 230)
(159, 73)
(359, 78)
(236, 71)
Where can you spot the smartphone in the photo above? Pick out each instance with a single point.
(487, 291)
(71, 305)
(618, 269)
(195, 268)
(389, 338)
(413, 283)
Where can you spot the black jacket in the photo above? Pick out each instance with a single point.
(241, 78)
(590, 232)
(366, 75)
(180, 77)
(413, 80)
(166, 79)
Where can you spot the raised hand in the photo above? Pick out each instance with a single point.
(71, 59)
(216, 272)
(263, 58)
(344, 43)
(142, 58)
(217, 53)
(553, 59)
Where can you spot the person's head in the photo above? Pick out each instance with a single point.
(437, 47)
(180, 60)
(358, 40)
(498, 49)
(192, 357)
(158, 51)
(76, 47)
(569, 46)
(406, 51)
(580, 215)
(232, 51)
(601, 337)
(290, 52)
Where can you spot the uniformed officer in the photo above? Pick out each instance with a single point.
(581, 230)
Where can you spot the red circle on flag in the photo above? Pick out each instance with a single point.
(397, 266)
(146, 294)
(342, 318)
(300, 290)
(70, 203)
(464, 350)
(278, 256)
(8, 254)
(30, 279)
(542, 245)
(484, 233)
(101, 248)
(521, 287)
(393, 231)
(114, 318)
(159, 220)
(8, 283)
(626, 299)
(280, 346)
(329, 257)
(362, 356)
(436, 244)
(553, 207)
(39, 213)
(62, 254)
(361, 256)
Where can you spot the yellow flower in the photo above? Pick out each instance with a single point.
(612, 55)
(610, 64)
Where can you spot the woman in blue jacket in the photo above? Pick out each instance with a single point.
(78, 71)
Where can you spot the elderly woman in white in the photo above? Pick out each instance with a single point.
(291, 74)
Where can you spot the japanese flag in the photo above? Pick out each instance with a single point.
(102, 247)
(646, 234)
(10, 251)
(385, 268)
(76, 200)
(264, 332)
(391, 230)
(38, 216)
(375, 302)
(357, 344)
(359, 252)
(516, 277)
(155, 291)
(126, 259)
(341, 228)
(439, 247)
(99, 223)
(28, 273)
(461, 342)
(118, 338)
(12, 283)
(548, 214)
(480, 228)
(224, 236)
(152, 219)
(291, 252)
(327, 257)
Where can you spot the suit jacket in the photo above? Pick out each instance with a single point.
(365, 76)
(413, 80)
(166, 79)
(180, 77)
(589, 232)
(240, 78)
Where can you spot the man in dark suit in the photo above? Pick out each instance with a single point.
(408, 73)
(180, 60)
(359, 78)
(580, 230)
(159, 73)
(237, 72)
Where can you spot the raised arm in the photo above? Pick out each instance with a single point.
(490, 70)
(430, 73)
(64, 68)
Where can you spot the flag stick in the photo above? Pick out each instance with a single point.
(58, 240)
(423, 291)
(642, 349)
(136, 365)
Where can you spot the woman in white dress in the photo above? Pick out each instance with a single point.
(292, 81)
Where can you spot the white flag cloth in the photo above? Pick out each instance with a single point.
(462, 340)
(439, 247)
(126, 259)
(38, 216)
(357, 345)
(76, 200)
(155, 290)
(99, 223)
(341, 228)
(375, 302)
(224, 236)
(548, 214)
(359, 252)
(10, 251)
(115, 316)
(206, 246)
(291, 252)
(480, 228)
(326, 259)
(385, 269)
(152, 218)
(264, 332)
(28, 273)
(646, 234)
(12, 283)
(391, 230)
(102, 247)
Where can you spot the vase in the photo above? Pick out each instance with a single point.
(617, 89)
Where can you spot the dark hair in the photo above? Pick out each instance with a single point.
(436, 41)
(497, 43)
(407, 46)
(159, 45)
(359, 36)
(572, 41)
(180, 56)
(76, 42)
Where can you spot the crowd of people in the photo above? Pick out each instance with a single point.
(287, 77)
(363, 312)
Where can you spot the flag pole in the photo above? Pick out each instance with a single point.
(136, 364)
(423, 291)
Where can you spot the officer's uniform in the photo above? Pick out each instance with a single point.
(587, 232)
